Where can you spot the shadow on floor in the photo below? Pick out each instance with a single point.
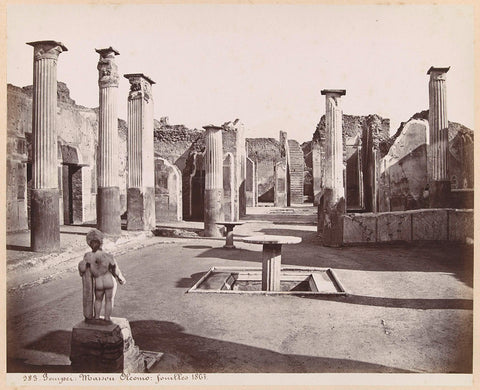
(189, 282)
(405, 303)
(233, 254)
(184, 352)
(57, 342)
(20, 248)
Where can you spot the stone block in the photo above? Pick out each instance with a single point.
(394, 227)
(105, 348)
(358, 228)
(460, 225)
(429, 225)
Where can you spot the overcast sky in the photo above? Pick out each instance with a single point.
(264, 64)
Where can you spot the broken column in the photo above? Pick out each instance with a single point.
(213, 180)
(108, 194)
(141, 172)
(334, 190)
(439, 192)
(45, 225)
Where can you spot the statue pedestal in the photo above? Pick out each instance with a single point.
(99, 346)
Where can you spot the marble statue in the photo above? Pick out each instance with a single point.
(99, 272)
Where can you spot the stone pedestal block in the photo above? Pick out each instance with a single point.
(45, 233)
(359, 228)
(460, 225)
(141, 208)
(430, 225)
(105, 348)
(394, 227)
(108, 210)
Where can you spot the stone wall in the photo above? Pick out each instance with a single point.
(176, 142)
(77, 129)
(404, 169)
(412, 225)
(265, 153)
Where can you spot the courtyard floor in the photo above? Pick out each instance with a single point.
(409, 307)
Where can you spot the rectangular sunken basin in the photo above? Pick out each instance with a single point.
(248, 280)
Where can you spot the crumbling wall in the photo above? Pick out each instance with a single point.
(77, 129)
(174, 142)
(404, 170)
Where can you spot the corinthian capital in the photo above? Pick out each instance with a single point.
(140, 86)
(47, 49)
(107, 68)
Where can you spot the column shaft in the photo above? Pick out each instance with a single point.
(45, 225)
(141, 173)
(438, 126)
(108, 195)
(213, 180)
(271, 267)
(333, 207)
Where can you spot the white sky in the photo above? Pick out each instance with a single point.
(264, 64)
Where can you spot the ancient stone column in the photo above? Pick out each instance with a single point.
(438, 123)
(334, 194)
(108, 194)
(45, 225)
(141, 170)
(213, 180)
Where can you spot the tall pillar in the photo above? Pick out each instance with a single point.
(213, 180)
(334, 194)
(108, 194)
(141, 170)
(439, 193)
(45, 226)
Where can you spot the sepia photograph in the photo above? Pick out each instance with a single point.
(239, 194)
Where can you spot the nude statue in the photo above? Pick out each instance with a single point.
(100, 272)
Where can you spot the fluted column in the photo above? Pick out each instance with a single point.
(141, 172)
(438, 140)
(45, 225)
(108, 195)
(334, 188)
(213, 180)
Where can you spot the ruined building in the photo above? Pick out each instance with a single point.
(416, 185)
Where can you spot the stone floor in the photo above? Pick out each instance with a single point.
(409, 308)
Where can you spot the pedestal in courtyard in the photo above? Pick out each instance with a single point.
(229, 236)
(272, 258)
(100, 347)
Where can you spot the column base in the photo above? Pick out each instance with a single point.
(108, 347)
(141, 208)
(108, 211)
(439, 194)
(213, 212)
(45, 223)
(333, 220)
